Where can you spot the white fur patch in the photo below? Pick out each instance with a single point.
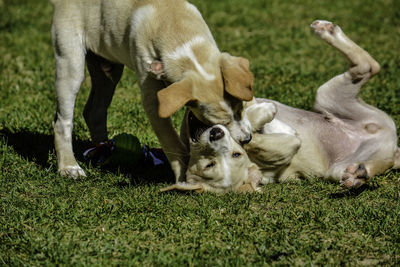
(194, 9)
(264, 109)
(226, 107)
(245, 124)
(277, 126)
(140, 16)
(341, 36)
(185, 50)
(227, 173)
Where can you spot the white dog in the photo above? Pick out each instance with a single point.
(171, 49)
(345, 140)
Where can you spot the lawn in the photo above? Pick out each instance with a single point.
(118, 217)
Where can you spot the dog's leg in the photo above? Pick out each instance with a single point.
(339, 98)
(358, 174)
(260, 114)
(104, 76)
(370, 159)
(70, 71)
(172, 145)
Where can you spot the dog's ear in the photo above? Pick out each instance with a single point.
(175, 96)
(198, 188)
(238, 79)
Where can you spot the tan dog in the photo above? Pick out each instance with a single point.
(346, 140)
(165, 42)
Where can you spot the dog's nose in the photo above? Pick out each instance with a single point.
(216, 133)
(246, 140)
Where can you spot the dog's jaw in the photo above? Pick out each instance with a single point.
(195, 127)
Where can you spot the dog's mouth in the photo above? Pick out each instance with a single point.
(196, 127)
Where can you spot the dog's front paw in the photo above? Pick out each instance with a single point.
(325, 29)
(74, 172)
(354, 176)
(260, 114)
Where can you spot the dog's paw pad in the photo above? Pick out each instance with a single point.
(323, 25)
(354, 176)
(325, 29)
(74, 172)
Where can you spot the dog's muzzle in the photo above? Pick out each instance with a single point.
(216, 133)
(246, 140)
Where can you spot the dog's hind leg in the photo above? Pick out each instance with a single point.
(70, 72)
(105, 77)
(373, 157)
(357, 174)
(339, 98)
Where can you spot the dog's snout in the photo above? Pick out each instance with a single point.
(216, 133)
(246, 140)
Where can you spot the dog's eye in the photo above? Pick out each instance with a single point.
(210, 165)
(236, 154)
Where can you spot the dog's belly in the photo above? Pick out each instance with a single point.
(324, 140)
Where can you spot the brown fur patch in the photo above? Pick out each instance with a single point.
(174, 97)
(238, 79)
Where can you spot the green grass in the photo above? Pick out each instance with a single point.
(119, 218)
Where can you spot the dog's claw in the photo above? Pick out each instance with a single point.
(354, 176)
(74, 172)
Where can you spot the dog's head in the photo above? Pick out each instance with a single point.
(217, 163)
(215, 100)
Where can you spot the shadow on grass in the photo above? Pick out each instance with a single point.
(351, 193)
(36, 147)
(142, 173)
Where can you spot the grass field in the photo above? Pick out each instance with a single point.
(118, 217)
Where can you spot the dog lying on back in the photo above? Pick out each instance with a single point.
(345, 140)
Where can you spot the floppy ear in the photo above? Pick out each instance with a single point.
(174, 97)
(238, 79)
(198, 188)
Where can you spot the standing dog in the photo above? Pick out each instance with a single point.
(171, 49)
(346, 140)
